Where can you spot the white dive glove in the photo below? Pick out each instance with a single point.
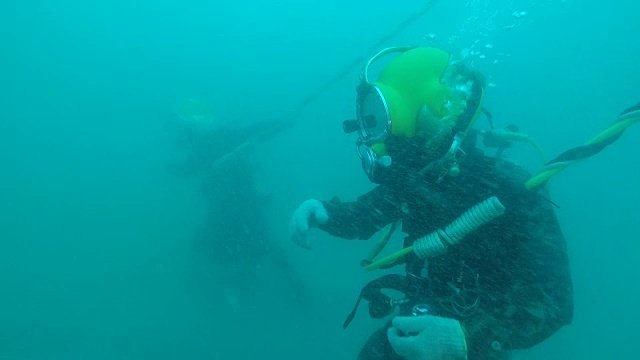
(427, 337)
(308, 215)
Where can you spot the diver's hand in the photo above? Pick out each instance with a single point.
(427, 337)
(308, 215)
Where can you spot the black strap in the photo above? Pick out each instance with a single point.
(380, 305)
(473, 103)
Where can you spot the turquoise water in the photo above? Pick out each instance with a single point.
(97, 255)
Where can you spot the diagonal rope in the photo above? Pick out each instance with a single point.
(291, 120)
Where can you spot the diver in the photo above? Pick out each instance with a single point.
(211, 144)
(235, 235)
(472, 289)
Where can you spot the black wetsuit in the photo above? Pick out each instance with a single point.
(236, 228)
(508, 283)
(236, 232)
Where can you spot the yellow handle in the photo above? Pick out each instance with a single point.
(380, 245)
(388, 260)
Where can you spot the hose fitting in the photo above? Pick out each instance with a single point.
(437, 242)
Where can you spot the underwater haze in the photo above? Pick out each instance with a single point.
(98, 234)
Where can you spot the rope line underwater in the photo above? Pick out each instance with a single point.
(291, 120)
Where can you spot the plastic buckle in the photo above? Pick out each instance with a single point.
(420, 310)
